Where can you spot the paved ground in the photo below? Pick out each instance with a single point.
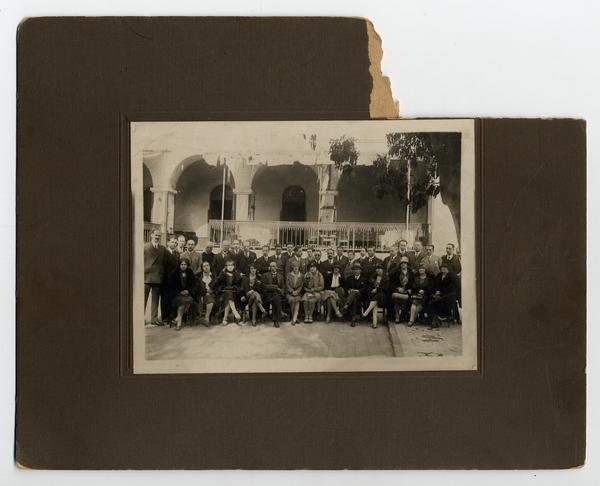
(303, 340)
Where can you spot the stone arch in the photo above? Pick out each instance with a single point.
(269, 183)
(193, 186)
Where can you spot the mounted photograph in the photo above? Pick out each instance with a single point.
(303, 246)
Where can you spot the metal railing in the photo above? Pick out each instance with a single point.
(306, 233)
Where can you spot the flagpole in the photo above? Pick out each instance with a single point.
(223, 204)
(407, 195)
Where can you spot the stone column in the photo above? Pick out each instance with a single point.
(242, 203)
(163, 210)
(327, 209)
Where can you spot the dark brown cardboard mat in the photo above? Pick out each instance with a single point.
(81, 79)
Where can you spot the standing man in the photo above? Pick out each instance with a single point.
(193, 256)
(451, 260)
(155, 259)
(278, 258)
(289, 253)
(403, 252)
(391, 263)
(245, 258)
(326, 266)
(419, 255)
(297, 257)
(341, 259)
(220, 258)
(180, 245)
(368, 266)
(262, 262)
(208, 255)
(171, 264)
(432, 261)
(273, 291)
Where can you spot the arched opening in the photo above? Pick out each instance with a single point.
(216, 204)
(198, 197)
(148, 194)
(299, 204)
(293, 204)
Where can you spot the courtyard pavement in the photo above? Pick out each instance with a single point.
(316, 340)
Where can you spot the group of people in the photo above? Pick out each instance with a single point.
(406, 285)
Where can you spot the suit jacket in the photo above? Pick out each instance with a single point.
(273, 284)
(327, 279)
(280, 262)
(171, 263)
(418, 259)
(218, 263)
(391, 265)
(360, 284)
(195, 259)
(454, 265)
(342, 261)
(369, 265)
(155, 261)
(326, 268)
(432, 265)
(243, 262)
(262, 264)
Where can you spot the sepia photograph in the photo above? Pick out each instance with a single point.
(295, 246)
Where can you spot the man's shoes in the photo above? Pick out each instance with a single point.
(276, 324)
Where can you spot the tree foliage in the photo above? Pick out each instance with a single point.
(434, 160)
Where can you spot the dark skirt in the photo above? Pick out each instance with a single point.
(181, 300)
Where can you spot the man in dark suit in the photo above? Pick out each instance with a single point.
(245, 258)
(279, 259)
(341, 259)
(370, 263)
(452, 260)
(171, 264)
(356, 287)
(391, 263)
(220, 258)
(262, 262)
(326, 266)
(419, 255)
(403, 252)
(286, 255)
(154, 274)
(273, 285)
(208, 255)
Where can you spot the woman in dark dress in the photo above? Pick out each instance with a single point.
(206, 280)
(181, 285)
(443, 298)
(419, 290)
(228, 287)
(400, 282)
(251, 293)
(377, 293)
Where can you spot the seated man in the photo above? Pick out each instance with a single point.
(313, 286)
(273, 291)
(444, 295)
(334, 295)
(356, 287)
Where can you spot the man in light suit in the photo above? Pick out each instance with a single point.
(155, 259)
(193, 256)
